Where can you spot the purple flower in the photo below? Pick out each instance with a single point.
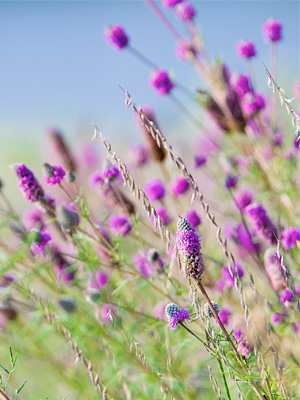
(252, 103)
(244, 198)
(231, 181)
(290, 237)
(261, 222)
(138, 155)
(146, 264)
(179, 186)
(185, 11)
(276, 319)
(32, 218)
(189, 248)
(199, 161)
(286, 296)
(40, 240)
(274, 269)
(238, 334)
(161, 82)
(30, 187)
(53, 174)
(193, 218)
(163, 214)
(155, 190)
(245, 49)
(272, 30)
(170, 3)
(120, 225)
(116, 36)
(108, 311)
(246, 240)
(228, 278)
(67, 217)
(106, 175)
(185, 50)
(62, 267)
(243, 348)
(224, 314)
(278, 139)
(241, 85)
(6, 280)
(175, 314)
(99, 280)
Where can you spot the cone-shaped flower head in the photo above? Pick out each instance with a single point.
(68, 219)
(40, 240)
(53, 174)
(161, 82)
(185, 11)
(207, 310)
(274, 269)
(117, 37)
(189, 247)
(155, 190)
(272, 30)
(290, 237)
(245, 49)
(262, 223)
(28, 184)
(176, 314)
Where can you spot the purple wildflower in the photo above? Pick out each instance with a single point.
(252, 103)
(179, 186)
(231, 181)
(286, 296)
(276, 319)
(170, 3)
(98, 280)
(272, 30)
(108, 174)
(228, 278)
(290, 237)
(238, 334)
(185, 11)
(245, 49)
(199, 161)
(246, 240)
(146, 264)
(30, 187)
(117, 37)
(244, 198)
(155, 190)
(278, 139)
(62, 267)
(274, 269)
(120, 225)
(107, 312)
(176, 314)
(67, 217)
(241, 85)
(261, 222)
(40, 240)
(53, 174)
(138, 155)
(224, 314)
(163, 214)
(185, 50)
(161, 82)
(193, 218)
(189, 248)
(32, 218)
(243, 348)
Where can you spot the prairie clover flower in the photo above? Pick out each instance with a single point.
(146, 262)
(62, 268)
(108, 311)
(28, 184)
(116, 36)
(62, 149)
(252, 103)
(179, 186)
(199, 161)
(245, 239)
(67, 218)
(138, 155)
(163, 214)
(53, 174)
(241, 85)
(243, 345)
(170, 3)
(107, 174)
(274, 269)
(161, 82)
(120, 225)
(231, 181)
(286, 297)
(272, 30)
(32, 218)
(276, 319)
(244, 198)
(207, 311)
(40, 240)
(193, 218)
(245, 49)
(290, 237)
(98, 280)
(155, 190)
(224, 314)
(189, 247)
(228, 278)
(261, 222)
(185, 50)
(185, 11)
(175, 314)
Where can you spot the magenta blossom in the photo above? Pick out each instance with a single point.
(159, 310)
(175, 314)
(252, 103)
(161, 82)
(231, 181)
(155, 190)
(244, 198)
(290, 237)
(272, 30)
(170, 3)
(53, 174)
(241, 85)
(32, 218)
(185, 50)
(40, 240)
(286, 297)
(224, 314)
(261, 222)
(162, 212)
(179, 186)
(193, 218)
(138, 155)
(117, 37)
(145, 265)
(185, 11)
(120, 225)
(276, 319)
(98, 280)
(228, 278)
(245, 49)
(28, 184)
(108, 311)
(274, 269)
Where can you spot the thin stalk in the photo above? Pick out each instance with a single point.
(224, 378)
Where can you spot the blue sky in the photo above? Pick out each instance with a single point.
(58, 70)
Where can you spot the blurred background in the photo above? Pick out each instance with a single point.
(58, 70)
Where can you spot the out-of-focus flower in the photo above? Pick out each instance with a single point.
(290, 237)
(155, 190)
(120, 225)
(252, 103)
(276, 319)
(175, 314)
(179, 186)
(246, 240)
(53, 174)
(274, 269)
(98, 280)
(28, 184)
(185, 50)
(245, 49)
(208, 312)
(199, 161)
(261, 222)
(62, 149)
(161, 82)
(228, 278)
(107, 174)
(243, 345)
(138, 155)
(116, 36)
(146, 264)
(224, 314)
(162, 212)
(67, 218)
(62, 267)
(231, 181)
(272, 30)
(185, 11)
(108, 311)
(244, 198)
(33, 219)
(193, 218)
(189, 248)
(40, 240)
(170, 3)
(241, 84)
(286, 297)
